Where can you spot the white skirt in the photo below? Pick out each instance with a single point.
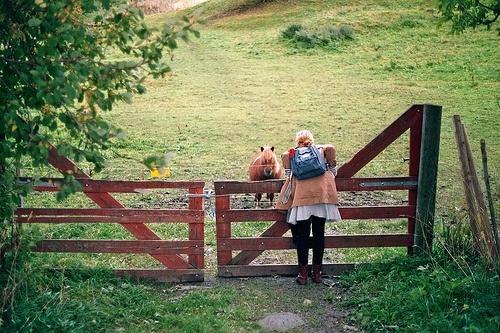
(300, 213)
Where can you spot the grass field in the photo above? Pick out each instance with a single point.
(241, 86)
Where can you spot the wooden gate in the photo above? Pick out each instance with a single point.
(167, 252)
(421, 120)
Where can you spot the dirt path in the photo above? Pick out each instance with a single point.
(317, 305)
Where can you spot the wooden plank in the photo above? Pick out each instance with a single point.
(376, 184)
(111, 186)
(343, 184)
(163, 275)
(427, 178)
(482, 218)
(234, 187)
(415, 143)
(222, 228)
(159, 247)
(229, 271)
(196, 227)
(379, 143)
(491, 205)
(105, 200)
(476, 208)
(472, 208)
(337, 241)
(64, 215)
(248, 215)
(193, 219)
(277, 229)
(347, 213)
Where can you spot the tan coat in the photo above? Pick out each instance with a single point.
(312, 191)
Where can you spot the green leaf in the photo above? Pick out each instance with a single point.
(34, 22)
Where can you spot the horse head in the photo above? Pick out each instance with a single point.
(268, 161)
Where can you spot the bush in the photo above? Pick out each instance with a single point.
(290, 31)
(347, 32)
(330, 37)
(306, 39)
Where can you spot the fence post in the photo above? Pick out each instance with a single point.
(222, 227)
(197, 229)
(427, 178)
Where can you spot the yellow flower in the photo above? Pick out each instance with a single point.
(155, 173)
(161, 173)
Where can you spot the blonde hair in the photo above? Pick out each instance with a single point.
(304, 138)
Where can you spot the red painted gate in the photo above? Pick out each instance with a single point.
(272, 238)
(167, 252)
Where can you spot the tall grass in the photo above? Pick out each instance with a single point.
(452, 290)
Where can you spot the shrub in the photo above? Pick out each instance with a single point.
(306, 39)
(346, 32)
(289, 32)
(330, 36)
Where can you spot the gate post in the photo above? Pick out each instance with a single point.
(427, 178)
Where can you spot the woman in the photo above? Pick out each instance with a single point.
(310, 203)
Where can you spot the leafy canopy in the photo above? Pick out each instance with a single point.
(465, 14)
(62, 64)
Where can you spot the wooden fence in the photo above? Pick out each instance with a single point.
(423, 123)
(167, 252)
(272, 238)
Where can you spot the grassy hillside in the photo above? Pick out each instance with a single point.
(241, 86)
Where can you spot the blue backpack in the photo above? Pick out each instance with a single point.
(306, 162)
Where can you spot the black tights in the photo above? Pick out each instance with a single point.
(301, 232)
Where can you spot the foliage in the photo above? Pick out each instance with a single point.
(465, 14)
(62, 64)
(417, 294)
(291, 30)
(96, 301)
(327, 37)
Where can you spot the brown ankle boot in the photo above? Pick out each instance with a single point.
(302, 277)
(316, 273)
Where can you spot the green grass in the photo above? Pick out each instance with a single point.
(240, 86)
(413, 295)
(85, 301)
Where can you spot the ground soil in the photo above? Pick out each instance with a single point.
(318, 305)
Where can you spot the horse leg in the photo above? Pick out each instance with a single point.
(258, 197)
(270, 196)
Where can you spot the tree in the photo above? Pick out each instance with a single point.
(465, 14)
(59, 73)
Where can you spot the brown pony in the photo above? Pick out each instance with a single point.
(263, 166)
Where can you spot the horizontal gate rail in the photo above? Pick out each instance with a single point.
(168, 252)
(282, 270)
(339, 241)
(347, 213)
(119, 246)
(108, 215)
(110, 186)
(343, 184)
(163, 275)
